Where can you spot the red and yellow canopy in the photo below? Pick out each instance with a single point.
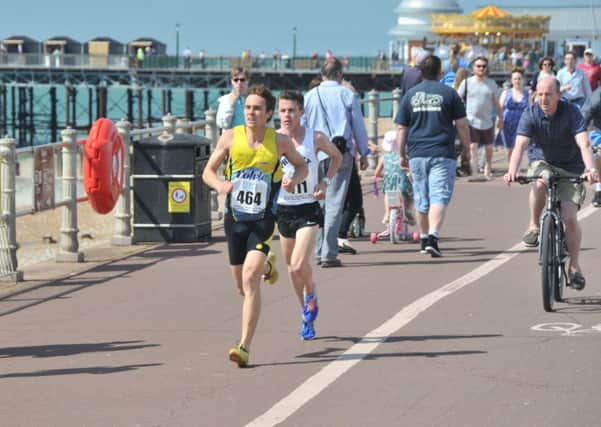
(489, 12)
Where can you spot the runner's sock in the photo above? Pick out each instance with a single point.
(433, 232)
(423, 236)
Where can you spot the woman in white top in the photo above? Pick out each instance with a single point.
(545, 67)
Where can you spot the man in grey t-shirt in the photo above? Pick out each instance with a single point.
(480, 95)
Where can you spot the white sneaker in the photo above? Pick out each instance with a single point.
(344, 246)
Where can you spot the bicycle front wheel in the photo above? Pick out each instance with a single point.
(392, 225)
(549, 264)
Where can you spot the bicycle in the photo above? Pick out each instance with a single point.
(552, 249)
(398, 224)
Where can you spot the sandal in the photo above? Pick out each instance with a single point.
(577, 280)
(530, 239)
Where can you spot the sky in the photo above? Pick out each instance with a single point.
(222, 27)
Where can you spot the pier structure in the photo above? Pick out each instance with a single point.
(36, 101)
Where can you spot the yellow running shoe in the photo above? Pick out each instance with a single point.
(273, 274)
(239, 355)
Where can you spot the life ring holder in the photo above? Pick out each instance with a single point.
(103, 166)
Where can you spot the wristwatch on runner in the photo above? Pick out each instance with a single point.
(326, 181)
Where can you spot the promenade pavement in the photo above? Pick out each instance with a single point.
(403, 339)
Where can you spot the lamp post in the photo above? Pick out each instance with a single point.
(177, 45)
(293, 43)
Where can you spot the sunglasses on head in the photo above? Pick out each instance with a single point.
(240, 79)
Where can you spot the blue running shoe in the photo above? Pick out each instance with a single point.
(308, 332)
(310, 315)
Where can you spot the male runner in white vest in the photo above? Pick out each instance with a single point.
(298, 212)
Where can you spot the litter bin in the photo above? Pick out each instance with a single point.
(171, 203)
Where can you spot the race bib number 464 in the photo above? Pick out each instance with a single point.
(249, 196)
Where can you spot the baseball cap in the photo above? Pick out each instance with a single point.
(589, 50)
(421, 56)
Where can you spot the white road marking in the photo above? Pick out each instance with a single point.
(567, 329)
(356, 353)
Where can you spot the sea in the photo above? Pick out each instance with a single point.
(117, 109)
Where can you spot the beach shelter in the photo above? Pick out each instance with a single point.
(61, 50)
(21, 44)
(103, 46)
(65, 45)
(156, 47)
(100, 49)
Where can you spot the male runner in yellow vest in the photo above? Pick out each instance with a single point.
(253, 177)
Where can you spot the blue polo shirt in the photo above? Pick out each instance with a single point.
(555, 135)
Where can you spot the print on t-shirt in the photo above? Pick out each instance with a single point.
(423, 101)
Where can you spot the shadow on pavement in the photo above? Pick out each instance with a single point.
(404, 338)
(59, 350)
(325, 358)
(93, 370)
(582, 304)
(426, 261)
(111, 270)
(330, 354)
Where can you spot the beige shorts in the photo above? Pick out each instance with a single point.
(566, 191)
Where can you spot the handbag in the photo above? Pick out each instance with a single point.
(338, 141)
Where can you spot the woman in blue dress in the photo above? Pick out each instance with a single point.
(513, 101)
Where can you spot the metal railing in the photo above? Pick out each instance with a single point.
(209, 63)
(69, 172)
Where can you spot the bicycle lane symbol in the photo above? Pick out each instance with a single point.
(566, 329)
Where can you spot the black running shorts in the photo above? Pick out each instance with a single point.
(292, 218)
(243, 237)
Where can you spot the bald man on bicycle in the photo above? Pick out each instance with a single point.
(559, 129)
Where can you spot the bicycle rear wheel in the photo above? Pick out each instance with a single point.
(549, 264)
(562, 277)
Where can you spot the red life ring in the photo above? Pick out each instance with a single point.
(103, 166)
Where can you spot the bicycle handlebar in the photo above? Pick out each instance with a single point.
(551, 179)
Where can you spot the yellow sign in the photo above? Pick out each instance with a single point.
(179, 197)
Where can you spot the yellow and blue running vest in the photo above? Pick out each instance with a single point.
(255, 175)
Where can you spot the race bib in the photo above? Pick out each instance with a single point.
(249, 196)
(300, 190)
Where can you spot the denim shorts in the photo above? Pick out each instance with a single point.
(433, 181)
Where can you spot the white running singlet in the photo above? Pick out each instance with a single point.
(303, 193)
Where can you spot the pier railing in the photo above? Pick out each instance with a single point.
(209, 63)
(38, 188)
